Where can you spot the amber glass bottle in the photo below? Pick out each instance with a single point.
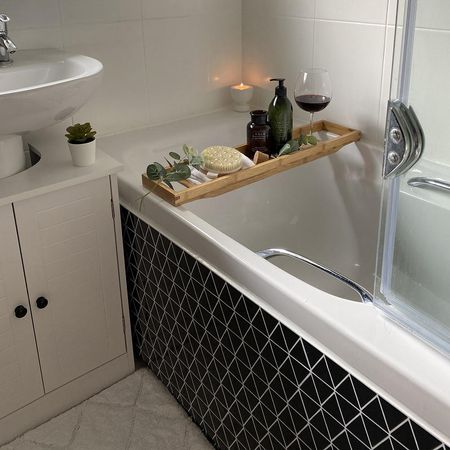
(258, 132)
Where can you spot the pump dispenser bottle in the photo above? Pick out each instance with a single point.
(280, 117)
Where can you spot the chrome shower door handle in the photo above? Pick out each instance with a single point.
(364, 294)
(430, 183)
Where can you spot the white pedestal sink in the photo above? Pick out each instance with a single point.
(40, 88)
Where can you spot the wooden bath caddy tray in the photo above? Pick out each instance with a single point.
(226, 183)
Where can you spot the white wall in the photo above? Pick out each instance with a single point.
(354, 40)
(164, 59)
(430, 94)
(350, 38)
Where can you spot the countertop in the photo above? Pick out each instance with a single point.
(54, 171)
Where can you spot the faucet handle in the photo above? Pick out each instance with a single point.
(4, 19)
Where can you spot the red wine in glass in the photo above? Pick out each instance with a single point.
(313, 92)
(312, 103)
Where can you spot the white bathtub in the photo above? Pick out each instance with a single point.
(328, 211)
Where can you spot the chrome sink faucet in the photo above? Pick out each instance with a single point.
(7, 46)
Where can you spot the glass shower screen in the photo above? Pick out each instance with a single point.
(413, 270)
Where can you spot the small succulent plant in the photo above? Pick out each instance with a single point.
(80, 133)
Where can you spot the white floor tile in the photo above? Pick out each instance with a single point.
(123, 393)
(138, 413)
(58, 431)
(103, 427)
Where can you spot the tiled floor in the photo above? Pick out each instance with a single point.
(138, 413)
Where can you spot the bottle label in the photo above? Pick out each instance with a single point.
(259, 136)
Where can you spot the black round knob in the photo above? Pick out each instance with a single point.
(20, 311)
(41, 302)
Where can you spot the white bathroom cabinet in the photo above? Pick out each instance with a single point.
(64, 323)
(20, 377)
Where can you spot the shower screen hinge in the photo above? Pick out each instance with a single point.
(404, 139)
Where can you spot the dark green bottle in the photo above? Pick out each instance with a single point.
(280, 117)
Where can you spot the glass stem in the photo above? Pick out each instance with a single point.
(311, 117)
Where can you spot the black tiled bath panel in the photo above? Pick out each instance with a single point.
(245, 378)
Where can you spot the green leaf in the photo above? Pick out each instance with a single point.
(186, 150)
(168, 183)
(177, 176)
(312, 140)
(168, 162)
(80, 133)
(304, 139)
(196, 161)
(153, 172)
(175, 156)
(161, 170)
(290, 147)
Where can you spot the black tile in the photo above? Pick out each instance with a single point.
(296, 445)
(318, 422)
(311, 407)
(298, 352)
(306, 437)
(334, 427)
(320, 440)
(364, 394)
(323, 390)
(404, 435)
(342, 442)
(393, 416)
(373, 411)
(244, 377)
(300, 371)
(321, 370)
(309, 388)
(355, 442)
(357, 428)
(345, 389)
(424, 439)
(375, 433)
(397, 445)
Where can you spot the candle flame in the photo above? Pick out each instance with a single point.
(241, 87)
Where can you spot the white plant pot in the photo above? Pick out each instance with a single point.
(83, 154)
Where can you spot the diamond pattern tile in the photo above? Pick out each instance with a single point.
(246, 379)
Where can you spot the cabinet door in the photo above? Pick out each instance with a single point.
(69, 252)
(20, 375)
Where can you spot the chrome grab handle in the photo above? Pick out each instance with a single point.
(4, 19)
(431, 183)
(365, 295)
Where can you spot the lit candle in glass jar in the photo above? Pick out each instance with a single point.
(241, 95)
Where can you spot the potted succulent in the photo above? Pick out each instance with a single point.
(81, 139)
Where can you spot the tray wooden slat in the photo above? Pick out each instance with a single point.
(227, 183)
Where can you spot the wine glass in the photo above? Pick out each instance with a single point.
(313, 92)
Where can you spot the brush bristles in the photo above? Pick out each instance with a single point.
(221, 159)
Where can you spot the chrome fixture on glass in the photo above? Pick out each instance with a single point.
(7, 46)
(404, 139)
(364, 294)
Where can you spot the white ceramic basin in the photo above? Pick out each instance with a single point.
(43, 87)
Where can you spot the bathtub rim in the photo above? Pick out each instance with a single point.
(375, 363)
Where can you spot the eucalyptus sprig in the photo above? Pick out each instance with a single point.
(178, 170)
(295, 144)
